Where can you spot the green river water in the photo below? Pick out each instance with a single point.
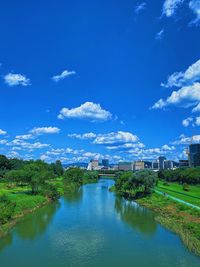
(93, 228)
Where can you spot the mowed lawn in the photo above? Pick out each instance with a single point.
(176, 190)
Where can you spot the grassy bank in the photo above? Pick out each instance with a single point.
(176, 190)
(23, 202)
(177, 217)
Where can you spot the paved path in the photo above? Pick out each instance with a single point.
(177, 199)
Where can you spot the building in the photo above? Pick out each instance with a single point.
(194, 155)
(125, 166)
(168, 164)
(161, 162)
(183, 163)
(147, 164)
(138, 165)
(105, 163)
(155, 165)
(93, 165)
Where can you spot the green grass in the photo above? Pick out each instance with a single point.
(179, 218)
(176, 190)
(22, 197)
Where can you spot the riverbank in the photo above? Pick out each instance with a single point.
(25, 203)
(177, 217)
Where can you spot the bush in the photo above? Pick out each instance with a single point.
(186, 187)
(49, 191)
(7, 209)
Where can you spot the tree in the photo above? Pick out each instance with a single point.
(74, 175)
(35, 173)
(57, 168)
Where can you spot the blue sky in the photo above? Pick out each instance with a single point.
(84, 79)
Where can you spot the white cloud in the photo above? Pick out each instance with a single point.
(14, 79)
(179, 79)
(25, 137)
(167, 148)
(195, 7)
(113, 138)
(170, 6)
(186, 122)
(88, 110)
(139, 7)
(183, 140)
(197, 122)
(196, 109)
(45, 130)
(160, 35)
(27, 145)
(3, 142)
(84, 136)
(63, 75)
(2, 132)
(187, 96)
(38, 131)
(126, 146)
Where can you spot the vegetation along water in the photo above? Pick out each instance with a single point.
(51, 217)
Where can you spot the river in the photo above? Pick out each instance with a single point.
(93, 228)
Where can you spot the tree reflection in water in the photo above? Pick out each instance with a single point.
(32, 225)
(75, 196)
(136, 217)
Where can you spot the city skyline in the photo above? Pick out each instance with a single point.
(110, 79)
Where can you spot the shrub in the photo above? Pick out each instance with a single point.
(186, 187)
(49, 191)
(7, 209)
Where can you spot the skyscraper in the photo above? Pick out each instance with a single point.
(194, 155)
(105, 163)
(161, 161)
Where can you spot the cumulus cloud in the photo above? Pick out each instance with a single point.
(139, 7)
(186, 122)
(187, 96)
(160, 35)
(170, 6)
(197, 122)
(38, 131)
(195, 7)
(178, 79)
(63, 75)
(126, 146)
(3, 142)
(88, 110)
(113, 138)
(183, 140)
(2, 132)
(45, 130)
(14, 79)
(26, 145)
(84, 136)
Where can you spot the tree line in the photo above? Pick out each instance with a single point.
(38, 176)
(181, 175)
(136, 184)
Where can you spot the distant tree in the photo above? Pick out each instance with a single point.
(4, 162)
(36, 173)
(136, 184)
(186, 187)
(74, 175)
(57, 168)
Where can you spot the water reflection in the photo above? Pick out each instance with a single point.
(35, 224)
(75, 196)
(32, 225)
(6, 241)
(135, 216)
